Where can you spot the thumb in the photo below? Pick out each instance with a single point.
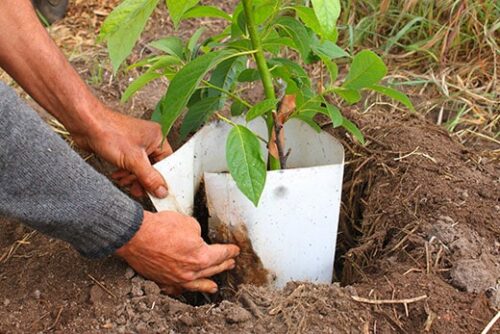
(149, 177)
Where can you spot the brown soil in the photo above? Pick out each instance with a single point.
(420, 210)
(419, 223)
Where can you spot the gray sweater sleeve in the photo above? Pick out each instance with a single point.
(46, 185)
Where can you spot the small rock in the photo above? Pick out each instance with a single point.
(237, 314)
(188, 320)
(6, 302)
(495, 299)
(121, 320)
(464, 195)
(142, 327)
(36, 294)
(447, 219)
(141, 307)
(151, 288)
(137, 280)
(137, 290)
(146, 317)
(175, 307)
(97, 295)
(472, 276)
(129, 273)
(483, 194)
(108, 325)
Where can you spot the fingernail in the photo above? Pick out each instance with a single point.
(213, 290)
(161, 192)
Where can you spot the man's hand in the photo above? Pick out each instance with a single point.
(29, 55)
(132, 145)
(169, 250)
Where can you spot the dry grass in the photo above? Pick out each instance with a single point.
(445, 54)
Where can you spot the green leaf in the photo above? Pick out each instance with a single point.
(281, 72)
(264, 9)
(245, 162)
(293, 74)
(192, 45)
(138, 83)
(249, 75)
(354, 130)
(295, 69)
(327, 12)
(307, 15)
(123, 26)
(197, 115)
(351, 96)
(164, 62)
(177, 9)
(144, 62)
(333, 69)
(224, 76)
(156, 116)
(274, 45)
(299, 34)
(308, 118)
(205, 11)
(335, 115)
(238, 23)
(261, 108)
(394, 94)
(156, 62)
(238, 108)
(329, 49)
(170, 45)
(367, 69)
(241, 45)
(183, 86)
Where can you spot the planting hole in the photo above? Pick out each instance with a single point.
(249, 267)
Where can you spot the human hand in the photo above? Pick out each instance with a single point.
(132, 145)
(169, 250)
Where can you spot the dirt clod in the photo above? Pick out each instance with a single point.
(188, 320)
(474, 275)
(129, 273)
(96, 295)
(151, 288)
(237, 314)
(137, 290)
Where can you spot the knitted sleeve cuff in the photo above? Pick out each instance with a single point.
(111, 239)
(46, 185)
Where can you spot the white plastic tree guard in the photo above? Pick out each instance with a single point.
(294, 228)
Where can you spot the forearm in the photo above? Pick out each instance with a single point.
(46, 185)
(29, 55)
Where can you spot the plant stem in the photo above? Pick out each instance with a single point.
(228, 93)
(265, 74)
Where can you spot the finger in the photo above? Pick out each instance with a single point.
(162, 152)
(209, 272)
(217, 254)
(127, 180)
(172, 290)
(149, 177)
(201, 285)
(121, 173)
(137, 190)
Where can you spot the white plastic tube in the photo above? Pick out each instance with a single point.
(294, 228)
